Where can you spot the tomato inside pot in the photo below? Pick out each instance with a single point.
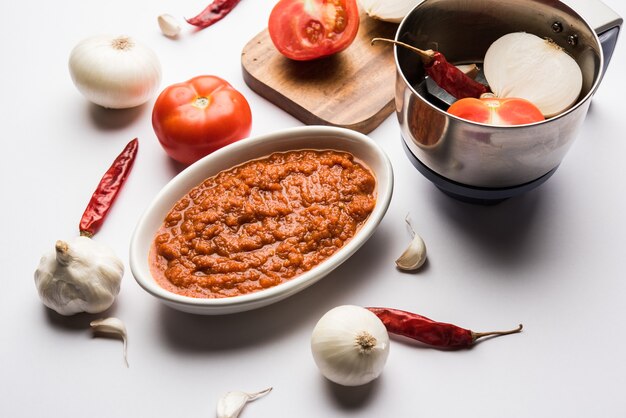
(496, 111)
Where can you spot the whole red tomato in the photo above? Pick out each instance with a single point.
(495, 111)
(196, 117)
(308, 29)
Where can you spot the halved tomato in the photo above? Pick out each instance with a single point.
(496, 111)
(308, 29)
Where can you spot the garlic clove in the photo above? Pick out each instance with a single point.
(169, 25)
(414, 256)
(231, 404)
(470, 70)
(112, 326)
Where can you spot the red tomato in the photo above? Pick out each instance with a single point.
(508, 111)
(308, 29)
(194, 118)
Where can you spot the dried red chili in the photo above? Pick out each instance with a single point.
(427, 331)
(107, 190)
(446, 75)
(214, 12)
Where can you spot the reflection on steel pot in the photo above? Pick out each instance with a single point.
(479, 162)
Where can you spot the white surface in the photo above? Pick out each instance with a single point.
(552, 259)
(304, 137)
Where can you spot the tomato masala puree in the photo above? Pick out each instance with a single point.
(262, 223)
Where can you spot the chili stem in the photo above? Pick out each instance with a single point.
(426, 56)
(477, 335)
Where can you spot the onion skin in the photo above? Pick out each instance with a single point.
(115, 77)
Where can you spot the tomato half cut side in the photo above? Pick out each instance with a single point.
(304, 30)
(496, 111)
(518, 112)
(471, 109)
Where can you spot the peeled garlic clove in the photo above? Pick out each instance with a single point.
(112, 326)
(231, 404)
(414, 256)
(470, 70)
(169, 25)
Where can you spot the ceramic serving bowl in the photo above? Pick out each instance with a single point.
(308, 137)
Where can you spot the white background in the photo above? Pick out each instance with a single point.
(553, 259)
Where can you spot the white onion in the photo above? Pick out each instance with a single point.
(350, 345)
(388, 10)
(526, 66)
(115, 71)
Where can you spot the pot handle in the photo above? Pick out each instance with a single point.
(608, 39)
(603, 20)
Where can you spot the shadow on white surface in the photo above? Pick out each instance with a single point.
(503, 233)
(113, 119)
(78, 322)
(353, 398)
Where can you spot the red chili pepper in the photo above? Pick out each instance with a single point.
(427, 331)
(446, 75)
(451, 79)
(214, 12)
(107, 190)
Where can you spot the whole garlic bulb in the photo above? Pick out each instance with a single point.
(81, 275)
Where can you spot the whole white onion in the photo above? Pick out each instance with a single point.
(115, 71)
(388, 10)
(350, 345)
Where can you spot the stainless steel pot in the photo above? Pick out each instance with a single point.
(477, 161)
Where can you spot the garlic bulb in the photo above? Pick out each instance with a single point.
(81, 275)
(115, 71)
(526, 66)
(112, 326)
(388, 10)
(350, 345)
(231, 404)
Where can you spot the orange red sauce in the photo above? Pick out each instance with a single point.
(262, 223)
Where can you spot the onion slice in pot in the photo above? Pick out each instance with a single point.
(526, 66)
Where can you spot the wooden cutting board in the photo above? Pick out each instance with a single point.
(352, 89)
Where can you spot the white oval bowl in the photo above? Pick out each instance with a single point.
(307, 137)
